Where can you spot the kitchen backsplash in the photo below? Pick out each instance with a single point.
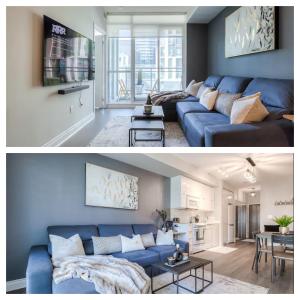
(185, 215)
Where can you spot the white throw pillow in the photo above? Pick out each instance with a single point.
(188, 89)
(132, 244)
(203, 90)
(164, 238)
(148, 239)
(107, 245)
(208, 100)
(195, 88)
(248, 109)
(62, 247)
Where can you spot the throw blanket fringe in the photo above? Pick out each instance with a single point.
(109, 274)
(159, 98)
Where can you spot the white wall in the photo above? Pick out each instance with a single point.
(36, 114)
(275, 189)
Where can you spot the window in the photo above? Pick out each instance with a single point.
(143, 57)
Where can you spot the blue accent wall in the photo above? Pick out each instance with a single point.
(272, 64)
(49, 189)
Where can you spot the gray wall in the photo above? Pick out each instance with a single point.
(272, 64)
(49, 189)
(196, 58)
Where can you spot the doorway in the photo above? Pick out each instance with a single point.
(240, 217)
(254, 223)
(100, 42)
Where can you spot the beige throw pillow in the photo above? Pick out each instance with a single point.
(248, 109)
(148, 239)
(203, 90)
(62, 247)
(208, 99)
(132, 244)
(195, 87)
(224, 102)
(189, 87)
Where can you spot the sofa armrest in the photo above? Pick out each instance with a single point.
(277, 133)
(183, 245)
(39, 271)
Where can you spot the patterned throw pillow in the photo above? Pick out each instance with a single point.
(106, 245)
(224, 102)
(148, 240)
(248, 109)
(203, 90)
(62, 247)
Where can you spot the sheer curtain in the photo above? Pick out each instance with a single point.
(145, 55)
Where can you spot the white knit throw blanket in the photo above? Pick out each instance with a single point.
(109, 274)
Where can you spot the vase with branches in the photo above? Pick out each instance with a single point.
(163, 216)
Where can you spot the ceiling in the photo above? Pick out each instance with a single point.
(148, 9)
(207, 166)
(234, 165)
(204, 14)
(195, 14)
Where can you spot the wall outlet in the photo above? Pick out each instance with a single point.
(71, 108)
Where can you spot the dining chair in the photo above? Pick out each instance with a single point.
(281, 253)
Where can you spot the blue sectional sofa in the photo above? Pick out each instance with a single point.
(204, 128)
(39, 268)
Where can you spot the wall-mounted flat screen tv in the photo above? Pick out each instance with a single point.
(68, 55)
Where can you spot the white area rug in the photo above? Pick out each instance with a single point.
(221, 285)
(223, 250)
(115, 134)
(248, 240)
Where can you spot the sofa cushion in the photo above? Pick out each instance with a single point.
(85, 232)
(142, 257)
(275, 113)
(213, 81)
(233, 84)
(163, 251)
(274, 92)
(208, 99)
(144, 228)
(112, 230)
(195, 124)
(132, 244)
(73, 286)
(188, 89)
(188, 107)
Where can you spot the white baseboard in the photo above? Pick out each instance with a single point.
(65, 135)
(15, 284)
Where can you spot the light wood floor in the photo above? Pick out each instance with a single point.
(87, 134)
(238, 263)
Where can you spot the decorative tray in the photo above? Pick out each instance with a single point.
(178, 263)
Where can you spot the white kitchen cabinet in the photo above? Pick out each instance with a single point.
(190, 194)
(211, 236)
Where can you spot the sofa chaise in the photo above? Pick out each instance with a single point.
(204, 128)
(39, 268)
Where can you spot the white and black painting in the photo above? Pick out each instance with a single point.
(250, 29)
(109, 188)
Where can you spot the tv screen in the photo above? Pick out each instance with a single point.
(68, 55)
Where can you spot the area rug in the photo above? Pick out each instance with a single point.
(223, 250)
(248, 240)
(115, 134)
(221, 285)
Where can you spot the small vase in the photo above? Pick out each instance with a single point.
(284, 230)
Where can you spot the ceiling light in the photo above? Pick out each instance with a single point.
(252, 194)
(250, 176)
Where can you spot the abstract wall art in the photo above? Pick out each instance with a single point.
(109, 188)
(250, 29)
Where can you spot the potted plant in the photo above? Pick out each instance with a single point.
(284, 222)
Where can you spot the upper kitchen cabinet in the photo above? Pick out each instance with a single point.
(190, 194)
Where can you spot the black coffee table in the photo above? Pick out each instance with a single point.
(138, 113)
(194, 264)
(146, 125)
